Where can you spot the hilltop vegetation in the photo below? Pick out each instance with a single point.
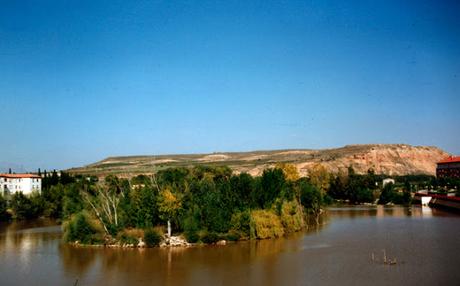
(389, 159)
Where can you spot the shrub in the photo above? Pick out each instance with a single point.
(130, 236)
(81, 228)
(127, 239)
(240, 223)
(266, 224)
(152, 238)
(192, 236)
(27, 207)
(233, 236)
(291, 216)
(210, 237)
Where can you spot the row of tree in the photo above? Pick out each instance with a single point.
(201, 201)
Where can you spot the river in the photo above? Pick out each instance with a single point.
(424, 242)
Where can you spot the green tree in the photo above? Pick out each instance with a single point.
(311, 198)
(242, 186)
(387, 195)
(26, 207)
(271, 183)
(54, 200)
(4, 215)
(338, 187)
(73, 201)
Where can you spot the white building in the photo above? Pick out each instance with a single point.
(15, 183)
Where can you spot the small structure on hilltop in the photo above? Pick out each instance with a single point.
(448, 168)
(15, 183)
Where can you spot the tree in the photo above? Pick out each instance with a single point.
(338, 186)
(387, 194)
(242, 186)
(104, 201)
(141, 207)
(271, 183)
(311, 198)
(320, 177)
(168, 206)
(54, 197)
(290, 171)
(4, 215)
(73, 201)
(27, 207)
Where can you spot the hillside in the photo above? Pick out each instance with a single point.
(391, 159)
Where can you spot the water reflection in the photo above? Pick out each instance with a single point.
(24, 237)
(380, 212)
(177, 266)
(336, 252)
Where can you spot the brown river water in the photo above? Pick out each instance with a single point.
(425, 243)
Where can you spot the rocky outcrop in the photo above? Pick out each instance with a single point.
(383, 159)
(174, 241)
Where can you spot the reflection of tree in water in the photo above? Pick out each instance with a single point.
(77, 260)
(185, 266)
(25, 236)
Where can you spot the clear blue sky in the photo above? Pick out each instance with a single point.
(83, 80)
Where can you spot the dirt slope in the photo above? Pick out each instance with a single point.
(391, 159)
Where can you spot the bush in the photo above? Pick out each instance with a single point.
(328, 200)
(210, 237)
(232, 236)
(152, 238)
(27, 207)
(291, 216)
(192, 236)
(266, 224)
(81, 228)
(363, 195)
(130, 236)
(240, 223)
(127, 239)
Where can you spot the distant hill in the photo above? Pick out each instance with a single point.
(390, 159)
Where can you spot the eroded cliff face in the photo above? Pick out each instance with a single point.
(383, 159)
(390, 159)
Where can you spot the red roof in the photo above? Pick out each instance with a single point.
(450, 159)
(19, 176)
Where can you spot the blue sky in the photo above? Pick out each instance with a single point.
(83, 80)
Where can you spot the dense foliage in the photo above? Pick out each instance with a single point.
(4, 215)
(204, 203)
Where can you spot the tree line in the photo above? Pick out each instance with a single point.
(204, 203)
